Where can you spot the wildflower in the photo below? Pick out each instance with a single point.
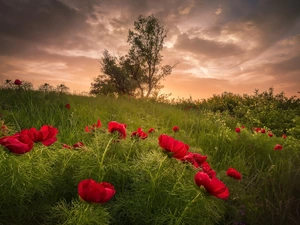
(89, 129)
(270, 134)
(151, 130)
(238, 130)
(68, 106)
(91, 191)
(66, 146)
(243, 126)
(213, 185)
(208, 170)
(284, 136)
(262, 131)
(195, 159)
(78, 145)
(114, 126)
(18, 82)
(175, 128)
(231, 172)
(139, 133)
(17, 143)
(46, 134)
(278, 147)
(177, 148)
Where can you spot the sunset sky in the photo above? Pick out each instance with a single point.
(235, 46)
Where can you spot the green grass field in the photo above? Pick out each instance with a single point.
(41, 186)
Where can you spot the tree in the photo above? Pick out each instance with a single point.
(140, 71)
(146, 42)
(62, 88)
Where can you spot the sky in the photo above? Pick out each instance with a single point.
(234, 46)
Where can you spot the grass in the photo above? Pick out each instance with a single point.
(40, 187)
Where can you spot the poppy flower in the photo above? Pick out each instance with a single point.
(238, 130)
(139, 133)
(278, 147)
(213, 185)
(231, 172)
(89, 129)
(151, 130)
(262, 131)
(46, 134)
(66, 146)
(270, 134)
(91, 191)
(243, 126)
(284, 136)
(175, 128)
(114, 126)
(208, 170)
(68, 106)
(177, 148)
(78, 145)
(17, 143)
(195, 159)
(17, 82)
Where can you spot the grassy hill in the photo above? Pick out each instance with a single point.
(152, 187)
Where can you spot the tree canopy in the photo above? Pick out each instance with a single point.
(140, 70)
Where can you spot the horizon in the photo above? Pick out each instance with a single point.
(221, 47)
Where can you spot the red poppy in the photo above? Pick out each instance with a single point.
(17, 82)
(256, 129)
(208, 170)
(91, 191)
(114, 126)
(213, 185)
(243, 126)
(139, 133)
(238, 130)
(78, 145)
(231, 172)
(284, 136)
(262, 131)
(177, 148)
(46, 134)
(151, 130)
(278, 147)
(17, 143)
(175, 128)
(270, 134)
(93, 127)
(195, 159)
(66, 146)
(68, 106)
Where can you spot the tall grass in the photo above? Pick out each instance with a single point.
(40, 187)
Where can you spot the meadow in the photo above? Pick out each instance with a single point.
(151, 185)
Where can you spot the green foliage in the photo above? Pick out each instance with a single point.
(40, 187)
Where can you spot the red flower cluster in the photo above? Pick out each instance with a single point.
(114, 126)
(212, 185)
(22, 142)
(91, 191)
(46, 134)
(175, 128)
(231, 172)
(139, 133)
(89, 129)
(177, 148)
(278, 147)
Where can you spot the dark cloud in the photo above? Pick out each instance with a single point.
(209, 48)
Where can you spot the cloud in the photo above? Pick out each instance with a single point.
(208, 48)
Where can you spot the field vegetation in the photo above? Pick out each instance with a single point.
(257, 135)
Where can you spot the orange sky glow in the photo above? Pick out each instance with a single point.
(234, 46)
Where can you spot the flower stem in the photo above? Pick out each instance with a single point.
(105, 151)
(186, 208)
